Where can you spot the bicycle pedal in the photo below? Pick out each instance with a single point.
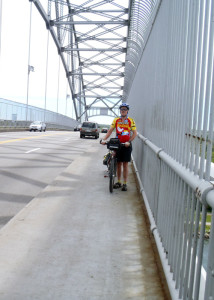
(106, 174)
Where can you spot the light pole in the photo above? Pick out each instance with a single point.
(30, 68)
(67, 97)
(0, 24)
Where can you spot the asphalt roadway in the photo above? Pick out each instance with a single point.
(76, 241)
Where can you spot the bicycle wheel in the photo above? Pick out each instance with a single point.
(112, 171)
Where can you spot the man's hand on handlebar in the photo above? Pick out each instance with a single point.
(127, 144)
(103, 142)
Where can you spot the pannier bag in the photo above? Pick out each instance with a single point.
(114, 144)
(106, 159)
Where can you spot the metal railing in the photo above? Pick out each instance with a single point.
(172, 102)
(13, 115)
(177, 202)
(142, 17)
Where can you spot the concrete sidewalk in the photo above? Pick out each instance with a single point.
(77, 241)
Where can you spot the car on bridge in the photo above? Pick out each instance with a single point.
(89, 129)
(37, 126)
(104, 130)
(77, 128)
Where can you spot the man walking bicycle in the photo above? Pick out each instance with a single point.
(126, 132)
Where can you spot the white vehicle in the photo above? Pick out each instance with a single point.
(37, 126)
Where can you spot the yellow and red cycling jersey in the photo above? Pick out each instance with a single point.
(123, 128)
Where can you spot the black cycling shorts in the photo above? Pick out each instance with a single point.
(124, 154)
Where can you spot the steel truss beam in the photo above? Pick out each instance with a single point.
(86, 87)
(97, 74)
(52, 23)
(104, 97)
(101, 28)
(93, 49)
(102, 64)
(101, 39)
(125, 11)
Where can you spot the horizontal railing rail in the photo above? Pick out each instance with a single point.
(177, 210)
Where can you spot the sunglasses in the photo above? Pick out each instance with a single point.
(124, 109)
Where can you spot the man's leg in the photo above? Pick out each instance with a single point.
(119, 171)
(125, 172)
(125, 176)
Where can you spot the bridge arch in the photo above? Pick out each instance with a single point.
(100, 57)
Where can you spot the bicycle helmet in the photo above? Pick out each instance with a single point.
(124, 105)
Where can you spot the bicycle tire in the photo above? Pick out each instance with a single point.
(112, 173)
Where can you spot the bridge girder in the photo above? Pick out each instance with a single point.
(91, 38)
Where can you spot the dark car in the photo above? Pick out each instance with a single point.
(104, 130)
(89, 129)
(77, 128)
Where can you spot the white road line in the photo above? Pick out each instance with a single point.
(33, 150)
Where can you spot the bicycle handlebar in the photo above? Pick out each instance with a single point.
(106, 142)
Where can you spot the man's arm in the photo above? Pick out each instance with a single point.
(108, 133)
(133, 135)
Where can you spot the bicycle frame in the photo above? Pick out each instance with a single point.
(112, 163)
(112, 169)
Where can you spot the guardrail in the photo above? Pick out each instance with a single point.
(177, 203)
(9, 125)
(13, 117)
